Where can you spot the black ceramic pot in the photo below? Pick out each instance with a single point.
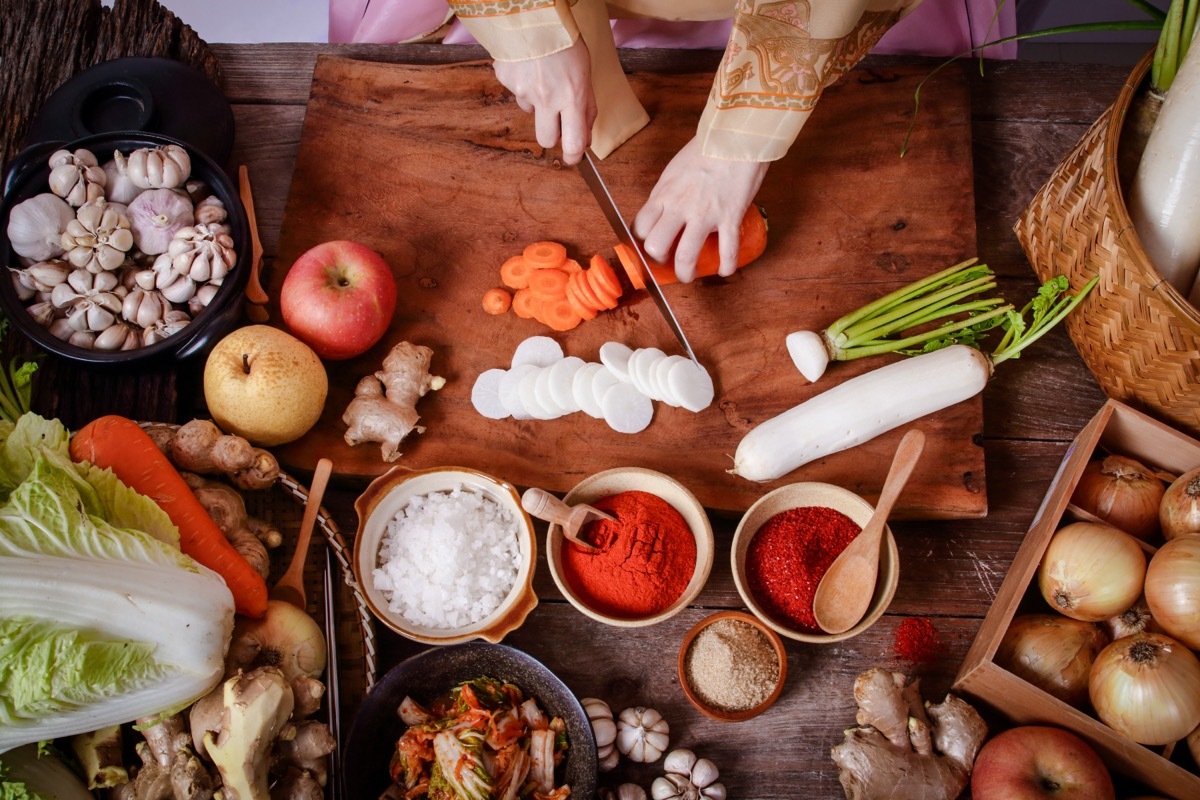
(28, 175)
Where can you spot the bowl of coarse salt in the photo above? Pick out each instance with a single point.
(445, 555)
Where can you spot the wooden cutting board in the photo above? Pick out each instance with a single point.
(437, 169)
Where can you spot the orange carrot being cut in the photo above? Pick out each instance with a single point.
(752, 241)
(120, 445)
(579, 305)
(496, 301)
(583, 288)
(603, 272)
(600, 288)
(545, 255)
(514, 273)
(571, 266)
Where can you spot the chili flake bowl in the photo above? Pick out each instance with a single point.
(624, 479)
(712, 711)
(801, 495)
(380, 503)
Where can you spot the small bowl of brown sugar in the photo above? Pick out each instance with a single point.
(732, 666)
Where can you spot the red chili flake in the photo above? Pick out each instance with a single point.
(917, 640)
(788, 556)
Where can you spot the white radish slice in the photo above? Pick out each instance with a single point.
(691, 385)
(510, 395)
(615, 356)
(562, 383)
(626, 410)
(634, 376)
(808, 353)
(541, 351)
(643, 371)
(601, 383)
(658, 377)
(581, 387)
(529, 398)
(485, 394)
(541, 390)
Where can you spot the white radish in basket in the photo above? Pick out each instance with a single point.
(878, 401)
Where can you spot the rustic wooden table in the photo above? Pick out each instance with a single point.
(1025, 117)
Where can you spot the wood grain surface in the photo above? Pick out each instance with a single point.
(849, 221)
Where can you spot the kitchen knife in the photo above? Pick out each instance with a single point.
(587, 168)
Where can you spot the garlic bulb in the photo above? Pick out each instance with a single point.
(210, 211)
(143, 308)
(36, 225)
(118, 336)
(172, 322)
(119, 188)
(203, 252)
(176, 287)
(98, 238)
(626, 791)
(687, 778)
(76, 177)
(155, 216)
(604, 729)
(642, 734)
(165, 167)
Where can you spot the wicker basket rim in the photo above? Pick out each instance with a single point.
(1168, 294)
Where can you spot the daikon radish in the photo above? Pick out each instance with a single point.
(1164, 200)
(626, 410)
(602, 381)
(485, 394)
(581, 387)
(529, 396)
(562, 381)
(875, 402)
(691, 385)
(545, 399)
(509, 391)
(615, 356)
(541, 351)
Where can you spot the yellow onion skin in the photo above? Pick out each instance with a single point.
(1179, 510)
(285, 637)
(1053, 652)
(1147, 687)
(1123, 493)
(1091, 572)
(1173, 589)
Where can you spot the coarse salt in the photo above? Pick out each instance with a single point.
(448, 559)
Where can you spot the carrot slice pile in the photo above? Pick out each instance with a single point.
(554, 289)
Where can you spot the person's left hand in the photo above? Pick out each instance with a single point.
(557, 89)
(694, 196)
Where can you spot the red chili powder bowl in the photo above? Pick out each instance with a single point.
(644, 561)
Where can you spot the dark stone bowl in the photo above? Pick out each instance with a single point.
(372, 740)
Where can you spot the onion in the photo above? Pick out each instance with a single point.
(285, 637)
(1052, 652)
(1173, 589)
(1091, 572)
(1123, 493)
(1135, 619)
(1179, 511)
(1147, 687)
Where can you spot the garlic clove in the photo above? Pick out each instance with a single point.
(605, 731)
(84, 339)
(61, 329)
(704, 773)
(608, 762)
(42, 313)
(210, 211)
(118, 187)
(679, 761)
(714, 791)
(25, 292)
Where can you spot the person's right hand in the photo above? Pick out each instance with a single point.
(558, 90)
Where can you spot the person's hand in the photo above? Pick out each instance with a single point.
(558, 90)
(694, 196)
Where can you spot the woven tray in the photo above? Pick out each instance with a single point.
(1138, 335)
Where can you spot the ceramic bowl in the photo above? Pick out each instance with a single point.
(380, 503)
(28, 176)
(376, 727)
(713, 712)
(624, 479)
(798, 495)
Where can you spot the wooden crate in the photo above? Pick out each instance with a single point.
(1116, 428)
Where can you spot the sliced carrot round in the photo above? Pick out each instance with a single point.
(601, 289)
(560, 316)
(571, 266)
(630, 263)
(545, 255)
(514, 272)
(583, 288)
(604, 273)
(522, 304)
(577, 303)
(496, 301)
(548, 284)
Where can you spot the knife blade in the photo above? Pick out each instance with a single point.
(587, 168)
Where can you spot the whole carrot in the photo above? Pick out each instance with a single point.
(119, 444)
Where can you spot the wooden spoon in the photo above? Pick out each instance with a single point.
(255, 293)
(848, 585)
(571, 519)
(290, 588)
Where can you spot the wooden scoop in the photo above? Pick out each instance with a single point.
(848, 585)
(255, 293)
(290, 588)
(571, 519)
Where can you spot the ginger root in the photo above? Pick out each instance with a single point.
(200, 446)
(170, 769)
(903, 749)
(227, 508)
(257, 706)
(384, 408)
(99, 756)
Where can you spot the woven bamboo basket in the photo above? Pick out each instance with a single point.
(1138, 335)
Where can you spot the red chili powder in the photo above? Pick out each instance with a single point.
(644, 561)
(917, 640)
(787, 557)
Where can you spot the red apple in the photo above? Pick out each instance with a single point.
(338, 298)
(1034, 762)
